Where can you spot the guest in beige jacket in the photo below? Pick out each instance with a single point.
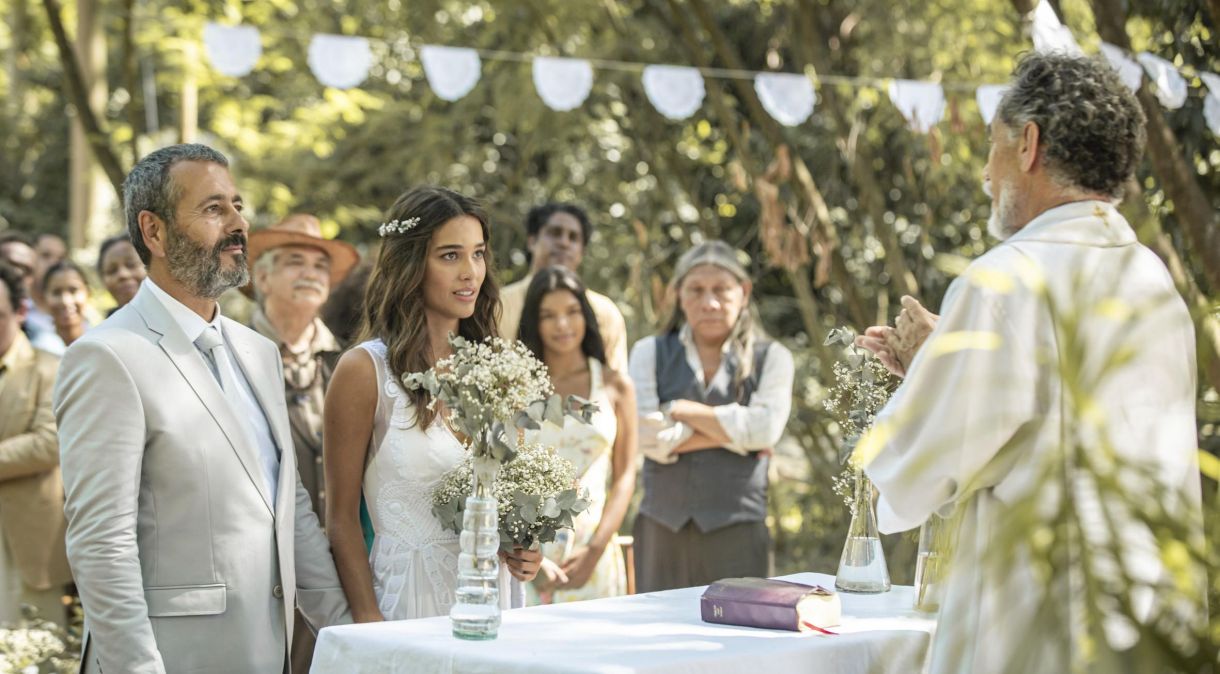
(33, 566)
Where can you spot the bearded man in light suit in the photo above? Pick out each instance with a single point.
(189, 533)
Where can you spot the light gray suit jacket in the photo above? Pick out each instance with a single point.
(182, 563)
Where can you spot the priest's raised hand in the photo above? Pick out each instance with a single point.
(896, 346)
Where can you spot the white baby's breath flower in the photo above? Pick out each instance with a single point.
(538, 475)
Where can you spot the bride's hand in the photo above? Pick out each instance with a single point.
(373, 617)
(580, 566)
(522, 563)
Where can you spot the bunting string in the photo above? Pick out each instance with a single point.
(678, 91)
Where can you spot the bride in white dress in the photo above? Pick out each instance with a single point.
(432, 278)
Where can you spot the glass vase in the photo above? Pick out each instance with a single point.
(476, 608)
(862, 568)
(932, 564)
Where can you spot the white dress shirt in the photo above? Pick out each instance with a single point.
(750, 427)
(193, 325)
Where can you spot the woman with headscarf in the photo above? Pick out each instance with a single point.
(713, 394)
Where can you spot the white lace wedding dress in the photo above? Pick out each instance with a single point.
(414, 560)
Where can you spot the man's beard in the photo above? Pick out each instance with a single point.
(200, 269)
(1000, 222)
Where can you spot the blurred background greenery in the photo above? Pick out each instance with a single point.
(840, 215)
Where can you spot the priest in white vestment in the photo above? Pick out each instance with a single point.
(1063, 357)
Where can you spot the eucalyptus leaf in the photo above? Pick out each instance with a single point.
(500, 449)
(848, 446)
(566, 498)
(554, 410)
(529, 513)
(550, 508)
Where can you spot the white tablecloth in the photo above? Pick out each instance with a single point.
(655, 632)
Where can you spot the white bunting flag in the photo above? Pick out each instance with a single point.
(675, 91)
(340, 61)
(1211, 102)
(452, 71)
(787, 97)
(1049, 34)
(988, 97)
(1129, 71)
(922, 103)
(233, 50)
(562, 83)
(1170, 86)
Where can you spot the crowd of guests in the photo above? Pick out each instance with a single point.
(705, 400)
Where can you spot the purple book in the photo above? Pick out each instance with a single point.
(770, 604)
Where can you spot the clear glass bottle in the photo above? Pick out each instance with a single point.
(862, 567)
(932, 564)
(475, 613)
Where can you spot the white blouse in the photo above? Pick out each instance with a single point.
(752, 427)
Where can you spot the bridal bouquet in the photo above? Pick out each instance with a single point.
(36, 645)
(491, 390)
(537, 495)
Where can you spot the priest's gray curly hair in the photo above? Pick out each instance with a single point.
(1090, 125)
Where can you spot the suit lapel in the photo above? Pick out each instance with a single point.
(191, 365)
(268, 386)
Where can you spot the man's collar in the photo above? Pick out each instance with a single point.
(192, 324)
(1088, 223)
(322, 340)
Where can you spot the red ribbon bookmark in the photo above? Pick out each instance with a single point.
(815, 628)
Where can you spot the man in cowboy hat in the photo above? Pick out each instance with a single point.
(292, 269)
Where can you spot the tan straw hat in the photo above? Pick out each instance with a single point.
(301, 229)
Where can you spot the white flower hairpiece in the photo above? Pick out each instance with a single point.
(399, 226)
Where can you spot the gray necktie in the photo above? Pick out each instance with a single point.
(212, 343)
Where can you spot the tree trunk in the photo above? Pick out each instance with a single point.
(763, 120)
(188, 121)
(809, 49)
(1191, 206)
(98, 138)
(90, 200)
(1207, 335)
(18, 22)
(1214, 6)
(131, 79)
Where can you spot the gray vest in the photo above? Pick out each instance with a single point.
(714, 487)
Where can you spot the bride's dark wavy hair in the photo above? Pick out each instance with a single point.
(394, 301)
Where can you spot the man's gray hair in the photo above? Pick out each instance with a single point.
(265, 263)
(1090, 125)
(149, 187)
